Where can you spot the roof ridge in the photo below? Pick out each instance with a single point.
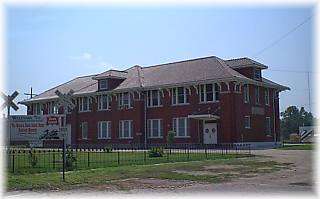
(194, 59)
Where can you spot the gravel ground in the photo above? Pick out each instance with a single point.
(296, 180)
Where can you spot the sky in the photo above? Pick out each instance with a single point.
(47, 46)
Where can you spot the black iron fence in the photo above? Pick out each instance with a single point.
(26, 160)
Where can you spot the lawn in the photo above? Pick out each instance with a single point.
(208, 171)
(51, 161)
(297, 147)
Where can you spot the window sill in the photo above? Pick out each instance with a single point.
(155, 106)
(128, 138)
(101, 110)
(247, 127)
(85, 111)
(155, 137)
(104, 138)
(180, 104)
(181, 136)
(124, 108)
(210, 102)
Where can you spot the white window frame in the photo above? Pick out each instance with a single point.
(267, 96)
(246, 93)
(82, 130)
(151, 128)
(175, 97)
(150, 99)
(100, 130)
(121, 100)
(121, 129)
(176, 128)
(100, 103)
(204, 91)
(81, 104)
(268, 123)
(106, 84)
(257, 94)
(52, 108)
(37, 107)
(249, 122)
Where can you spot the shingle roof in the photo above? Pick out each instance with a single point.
(189, 71)
(244, 62)
(112, 73)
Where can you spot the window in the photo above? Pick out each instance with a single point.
(84, 130)
(155, 128)
(37, 109)
(180, 127)
(246, 93)
(84, 104)
(104, 102)
(52, 108)
(209, 92)
(247, 122)
(257, 94)
(124, 100)
(153, 98)
(268, 126)
(104, 129)
(125, 128)
(179, 95)
(257, 73)
(103, 84)
(266, 96)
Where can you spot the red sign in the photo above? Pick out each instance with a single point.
(52, 120)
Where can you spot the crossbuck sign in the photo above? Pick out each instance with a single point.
(8, 101)
(65, 100)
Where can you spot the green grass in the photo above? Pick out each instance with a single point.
(297, 147)
(243, 167)
(52, 161)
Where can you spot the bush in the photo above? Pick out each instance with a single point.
(108, 149)
(170, 137)
(70, 159)
(155, 152)
(33, 159)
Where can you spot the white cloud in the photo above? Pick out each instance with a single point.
(83, 56)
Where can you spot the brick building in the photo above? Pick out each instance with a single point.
(206, 100)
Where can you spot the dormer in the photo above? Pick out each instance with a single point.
(247, 67)
(110, 79)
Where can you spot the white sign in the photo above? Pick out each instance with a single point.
(36, 127)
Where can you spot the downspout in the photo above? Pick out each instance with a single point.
(145, 121)
(274, 117)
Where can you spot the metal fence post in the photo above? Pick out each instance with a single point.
(12, 161)
(188, 153)
(118, 157)
(54, 160)
(145, 156)
(205, 150)
(88, 158)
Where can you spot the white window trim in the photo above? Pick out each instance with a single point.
(151, 128)
(149, 99)
(100, 103)
(177, 97)
(100, 88)
(267, 99)
(257, 99)
(121, 129)
(120, 101)
(84, 138)
(270, 133)
(100, 130)
(177, 127)
(249, 119)
(35, 107)
(205, 94)
(80, 102)
(255, 70)
(247, 93)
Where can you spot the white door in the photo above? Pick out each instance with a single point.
(210, 133)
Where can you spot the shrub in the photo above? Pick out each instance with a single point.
(155, 152)
(170, 137)
(33, 159)
(108, 149)
(70, 159)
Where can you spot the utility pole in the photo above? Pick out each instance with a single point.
(30, 94)
(309, 91)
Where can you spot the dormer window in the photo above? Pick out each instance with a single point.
(257, 74)
(103, 84)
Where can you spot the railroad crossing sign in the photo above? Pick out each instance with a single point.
(8, 101)
(65, 100)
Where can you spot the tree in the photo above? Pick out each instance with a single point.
(292, 118)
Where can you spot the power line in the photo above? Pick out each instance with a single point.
(282, 37)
